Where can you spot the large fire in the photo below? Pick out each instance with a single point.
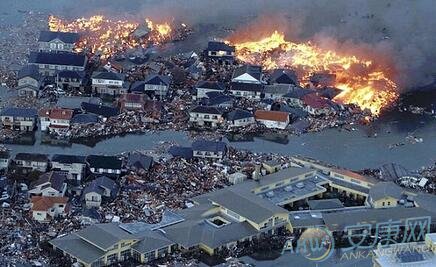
(361, 81)
(107, 37)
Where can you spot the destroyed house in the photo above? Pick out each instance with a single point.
(219, 101)
(74, 166)
(46, 208)
(49, 41)
(50, 63)
(220, 51)
(137, 161)
(295, 96)
(158, 84)
(100, 110)
(104, 165)
(109, 243)
(131, 102)
(209, 149)
(323, 79)
(276, 91)
(71, 79)
(283, 76)
(50, 184)
(29, 81)
(272, 119)
(4, 159)
(109, 83)
(240, 118)
(31, 161)
(205, 116)
(203, 87)
(19, 119)
(316, 105)
(84, 119)
(99, 189)
(247, 74)
(247, 90)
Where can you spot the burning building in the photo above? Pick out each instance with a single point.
(362, 81)
(107, 37)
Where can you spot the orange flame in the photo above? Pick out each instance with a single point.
(370, 88)
(106, 36)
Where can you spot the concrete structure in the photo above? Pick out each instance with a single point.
(46, 208)
(19, 119)
(272, 119)
(74, 166)
(49, 41)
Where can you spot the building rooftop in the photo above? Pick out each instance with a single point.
(31, 157)
(385, 189)
(68, 159)
(101, 110)
(66, 37)
(43, 203)
(104, 162)
(29, 71)
(19, 112)
(249, 87)
(220, 46)
(205, 145)
(65, 59)
(284, 76)
(206, 110)
(239, 114)
(253, 71)
(211, 85)
(271, 115)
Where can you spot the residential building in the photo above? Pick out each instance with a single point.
(240, 118)
(29, 81)
(4, 159)
(131, 101)
(276, 91)
(316, 105)
(272, 119)
(219, 100)
(70, 79)
(109, 83)
(385, 195)
(247, 90)
(203, 87)
(106, 244)
(84, 119)
(100, 110)
(55, 119)
(209, 149)
(30, 161)
(157, 84)
(99, 189)
(221, 52)
(19, 119)
(283, 76)
(46, 208)
(51, 63)
(74, 166)
(49, 41)
(206, 116)
(295, 97)
(104, 165)
(50, 184)
(137, 161)
(248, 74)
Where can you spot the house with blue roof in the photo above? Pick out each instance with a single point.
(102, 188)
(51, 63)
(49, 41)
(70, 79)
(29, 81)
(158, 84)
(19, 119)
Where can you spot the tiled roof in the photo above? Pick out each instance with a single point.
(43, 203)
(271, 115)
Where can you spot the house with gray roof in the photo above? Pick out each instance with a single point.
(51, 184)
(102, 188)
(109, 83)
(108, 243)
(248, 74)
(203, 87)
(31, 161)
(19, 119)
(209, 149)
(206, 116)
(51, 41)
(137, 161)
(220, 51)
(384, 195)
(74, 165)
(283, 76)
(50, 63)
(240, 118)
(29, 81)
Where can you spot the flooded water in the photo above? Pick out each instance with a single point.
(351, 149)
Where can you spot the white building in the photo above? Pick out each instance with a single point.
(248, 74)
(74, 166)
(46, 208)
(51, 184)
(49, 41)
(272, 119)
(109, 83)
(204, 87)
(240, 118)
(205, 116)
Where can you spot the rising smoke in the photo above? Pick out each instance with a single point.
(402, 31)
